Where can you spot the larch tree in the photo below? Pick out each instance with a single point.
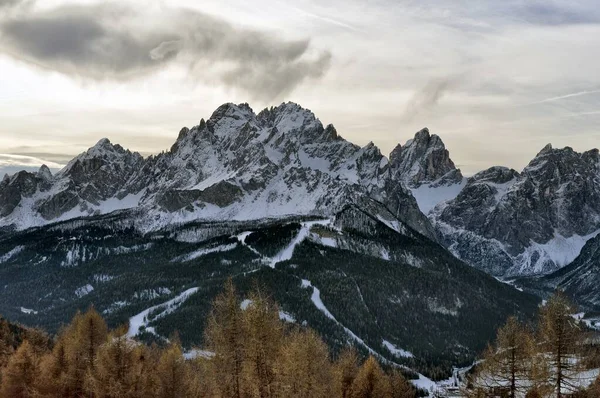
(303, 368)
(560, 341)
(6, 343)
(401, 388)
(82, 339)
(371, 381)
(20, 373)
(116, 369)
(264, 335)
(173, 373)
(509, 362)
(224, 337)
(53, 367)
(345, 371)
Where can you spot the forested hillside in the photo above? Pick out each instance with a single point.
(249, 352)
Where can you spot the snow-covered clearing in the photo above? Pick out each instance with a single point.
(18, 249)
(287, 253)
(286, 316)
(140, 320)
(316, 299)
(203, 252)
(398, 352)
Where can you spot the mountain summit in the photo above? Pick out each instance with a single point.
(235, 165)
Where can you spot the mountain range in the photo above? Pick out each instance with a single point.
(402, 256)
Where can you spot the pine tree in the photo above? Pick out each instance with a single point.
(508, 363)
(561, 338)
(371, 381)
(20, 373)
(345, 371)
(224, 336)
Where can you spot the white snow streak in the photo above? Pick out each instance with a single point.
(140, 320)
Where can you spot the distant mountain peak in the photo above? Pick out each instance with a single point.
(423, 160)
(44, 172)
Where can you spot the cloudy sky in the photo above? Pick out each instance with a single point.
(497, 80)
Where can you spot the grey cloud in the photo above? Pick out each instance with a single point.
(112, 41)
(556, 13)
(8, 3)
(59, 158)
(427, 97)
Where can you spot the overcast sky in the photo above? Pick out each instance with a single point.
(497, 80)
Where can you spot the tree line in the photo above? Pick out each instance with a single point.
(249, 352)
(555, 358)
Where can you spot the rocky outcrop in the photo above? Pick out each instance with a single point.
(423, 160)
(235, 165)
(532, 222)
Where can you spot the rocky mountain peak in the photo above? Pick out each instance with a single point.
(44, 172)
(423, 160)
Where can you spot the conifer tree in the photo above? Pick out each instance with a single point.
(509, 362)
(53, 367)
(371, 381)
(345, 371)
(401, 388)
(20, 373)
(6, 343)
(224, 337)
(116, 368)
(81, 341)
(561, 337)
(173, 373)
(263, 337)
(303, 368)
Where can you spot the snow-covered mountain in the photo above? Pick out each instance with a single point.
(580, 279)
(237, 165)
(534, 222)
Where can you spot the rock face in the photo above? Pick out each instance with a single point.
(239, 165)
(533, 222)
(235, 165)
(424, 160)
(581, 278)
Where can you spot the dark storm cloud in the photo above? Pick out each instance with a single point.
(112, 41)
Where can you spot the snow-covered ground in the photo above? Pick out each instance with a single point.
(203, 252)
(399, 352)
(140, 320)
(429, 196)
(287, 253)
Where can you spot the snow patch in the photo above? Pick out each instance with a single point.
(429, 196)
(287, 253)
(84, 290)
(202, 252)
(7, 256)
(287, 317)
(245, 304)
(139, 321)
(398, 352)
